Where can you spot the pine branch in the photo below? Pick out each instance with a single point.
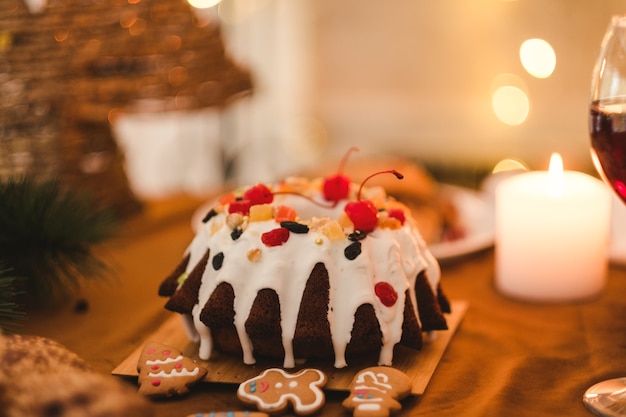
(47, 235)
(10, 311)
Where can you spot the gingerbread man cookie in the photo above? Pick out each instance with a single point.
(165, 372)
(274, 390)
(375, 391)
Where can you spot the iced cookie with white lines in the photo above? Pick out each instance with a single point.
(165, 372)
(274, 391)
(376, 391)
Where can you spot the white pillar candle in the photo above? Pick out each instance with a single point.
(552, 234)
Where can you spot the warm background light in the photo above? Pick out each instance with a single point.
(510, 105)
(204, 4)
(538, 57)
(509, 164)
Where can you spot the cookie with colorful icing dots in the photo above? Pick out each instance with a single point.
(274, 391)
(165, 372)
(375, 391)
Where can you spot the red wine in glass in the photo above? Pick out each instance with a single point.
(607, 128)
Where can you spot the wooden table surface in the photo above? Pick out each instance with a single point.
(506, 358)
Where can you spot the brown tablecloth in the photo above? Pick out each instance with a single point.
(507, 357)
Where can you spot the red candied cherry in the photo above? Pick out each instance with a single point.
(240, 206)
(397, 214)
(258, 194)
(385, 293)
(363, 213)
(337, 186)
(275, 237)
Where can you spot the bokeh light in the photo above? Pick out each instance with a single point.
(204, 4)
(537, 57)
(510, 105)
(509, 164)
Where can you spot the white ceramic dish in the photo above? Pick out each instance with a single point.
(477, 218)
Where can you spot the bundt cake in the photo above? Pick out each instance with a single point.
(307, 268)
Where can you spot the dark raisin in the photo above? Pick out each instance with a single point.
(236, 233)
(295, 227)
(209, 215)
(352, 250)
(217, 261)
(357, 235)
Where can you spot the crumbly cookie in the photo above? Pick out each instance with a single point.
(375, 391)
(165, 372)
(40, 377)
(274, 390)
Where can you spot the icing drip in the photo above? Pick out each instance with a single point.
(393, 255)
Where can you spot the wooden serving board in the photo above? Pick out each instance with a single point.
(229, 369)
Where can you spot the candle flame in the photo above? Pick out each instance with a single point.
(555, 176)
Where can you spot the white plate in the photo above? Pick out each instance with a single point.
(476, 216)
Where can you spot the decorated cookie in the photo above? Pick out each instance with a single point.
(375, 392)
(230, 414)
(274, 390)
(165, 372)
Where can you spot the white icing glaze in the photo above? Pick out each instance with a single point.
(380, 381)
(164, 361)
(395, 256)
(175, 373)
(369, 407)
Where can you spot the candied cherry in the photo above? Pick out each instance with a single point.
(240, 206)
(397, 214)
(363, 213)
(385, 293)
(275, 237)
(337, 186)
(258, 194)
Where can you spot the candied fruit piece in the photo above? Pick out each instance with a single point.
(363, 214)
(275, 237)
(285, 214)
(333, 230)
(336, 187)
(259, 194)
(240, 206)
(385, 292)
(397, 214)
(227, 199)
(261, 212)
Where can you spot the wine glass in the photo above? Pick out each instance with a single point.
(607, 128)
